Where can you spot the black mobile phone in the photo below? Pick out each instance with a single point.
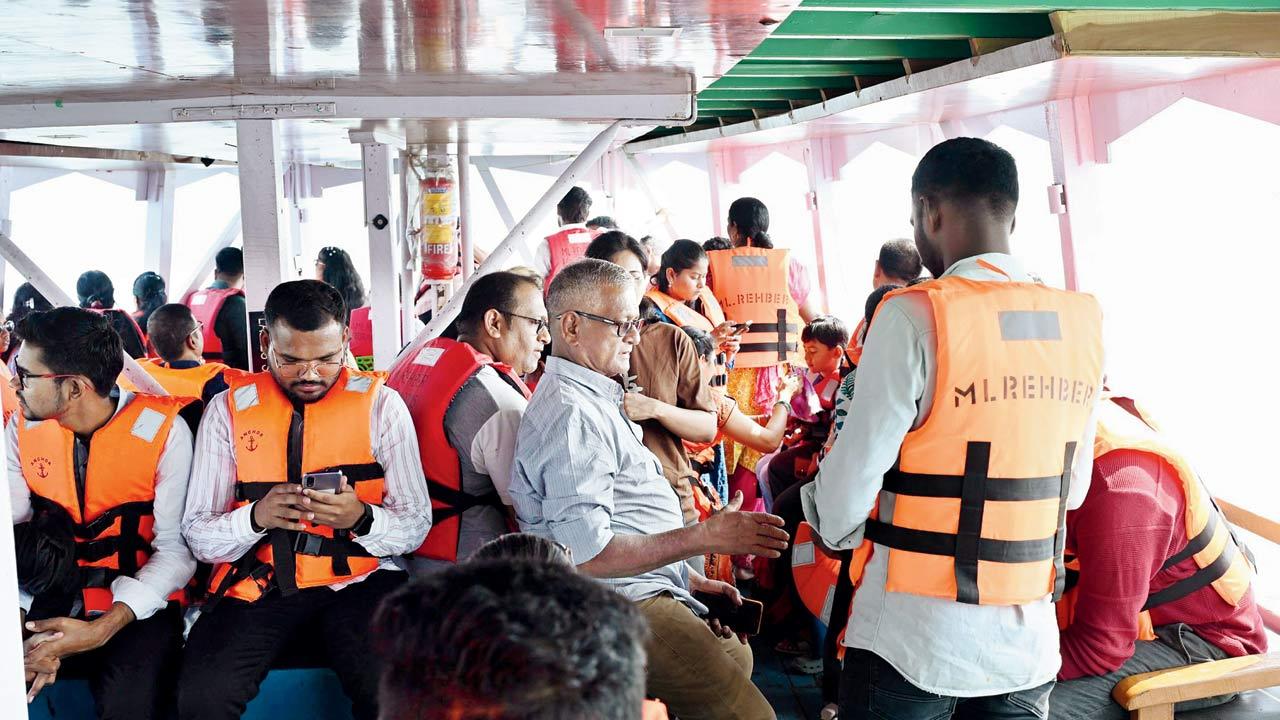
(741, 328)
(743, 618)
(325, 482)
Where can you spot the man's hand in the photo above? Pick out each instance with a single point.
(698, 583)
(339, 511)
(78, 636)
(639, 407)
(733, 532)
(281, 508)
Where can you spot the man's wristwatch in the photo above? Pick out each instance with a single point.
(365, 523)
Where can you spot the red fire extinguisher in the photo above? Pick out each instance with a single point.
(439, 244)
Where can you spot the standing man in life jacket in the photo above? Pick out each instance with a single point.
(293, 561)
(968, 437)
(1171, 597)
(220, 309)
(178, 339)
(115, 465)
(570, 242)
(466, 398)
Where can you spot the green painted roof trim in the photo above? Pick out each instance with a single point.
(912, 25)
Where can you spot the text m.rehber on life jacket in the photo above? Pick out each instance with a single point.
(1025, 387)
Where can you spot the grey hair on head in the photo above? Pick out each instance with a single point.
(583, 280)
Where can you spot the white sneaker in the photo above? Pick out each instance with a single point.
(830, 712)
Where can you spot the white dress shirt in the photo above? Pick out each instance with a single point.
(218, 532)
(170, 566)
(944, 647)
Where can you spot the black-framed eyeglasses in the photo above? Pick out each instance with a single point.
(540, 323)
(22, 376)
(623, 328)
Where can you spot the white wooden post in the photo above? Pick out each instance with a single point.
(464, 210)
(6, 226)
(156, 188)
(262, 210)
(375, 147)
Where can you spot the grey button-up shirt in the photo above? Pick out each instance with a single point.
(582, 475)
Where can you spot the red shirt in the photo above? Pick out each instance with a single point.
(1131, 522)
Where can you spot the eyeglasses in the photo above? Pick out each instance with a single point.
(292, 370)
(199, 327)
(23, 376)
(541, 324)
(623, 328)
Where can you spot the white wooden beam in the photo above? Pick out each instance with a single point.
(379, 219)
(409, 202)
(520, 234)
(495, 193)
(262, 209)
(10, 251)
(464, 210)
(156, 188)
(6, 224)
(642, 178)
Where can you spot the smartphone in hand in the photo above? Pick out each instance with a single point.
(325, 482)
(745, 618)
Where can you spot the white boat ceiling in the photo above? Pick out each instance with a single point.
(507, 76)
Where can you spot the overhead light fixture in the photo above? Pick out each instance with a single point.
(643, 32)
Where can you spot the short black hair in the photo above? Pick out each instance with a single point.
(95, 290)
(509, 640)
(575, 206)
(229, 261)
(305, 305)
(27, 299)
(523, 546)
(606, 245)
(493, 291)
(74, 341)
(602, 221)
(702, 342)
(682, 255)
(718, 243)
(826, 329)
(900, 260)
(969, 169)
(168, 329)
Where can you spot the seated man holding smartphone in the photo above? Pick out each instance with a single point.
(582, 477)
(306, 488)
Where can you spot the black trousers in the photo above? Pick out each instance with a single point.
(133, 675)
(230, 649)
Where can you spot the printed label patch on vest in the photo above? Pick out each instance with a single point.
(749, 261)
(580, 239)
(802, 554)
(199, 299)
(827, 604)
(1029, 325)
(359, 383)
(429, 356)
(245, 397)
(147, 424)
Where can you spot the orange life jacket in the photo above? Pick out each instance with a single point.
(751, 284)
(1123, 426)
(979, 491)
(362, 337)
(429, 380)
(112, 515)
(8, 396)
(685, 316)
(182, 382)
(567, 245)
(814, 572)
(205, 306)
(334, 437)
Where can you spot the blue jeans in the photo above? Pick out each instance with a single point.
(1175, 645)
(871, 688)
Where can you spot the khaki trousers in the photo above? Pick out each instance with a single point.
(697, 674)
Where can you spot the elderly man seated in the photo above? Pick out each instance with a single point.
(582, 477)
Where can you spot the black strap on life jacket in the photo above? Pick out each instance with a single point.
(782, 345)
(967, 545)
(1202, 577)
(457, 502)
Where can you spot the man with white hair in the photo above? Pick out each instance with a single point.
(583, 477)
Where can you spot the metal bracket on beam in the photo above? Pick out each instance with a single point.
(256, 112)
(382, 137)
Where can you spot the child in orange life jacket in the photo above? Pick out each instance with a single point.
(824, 341)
